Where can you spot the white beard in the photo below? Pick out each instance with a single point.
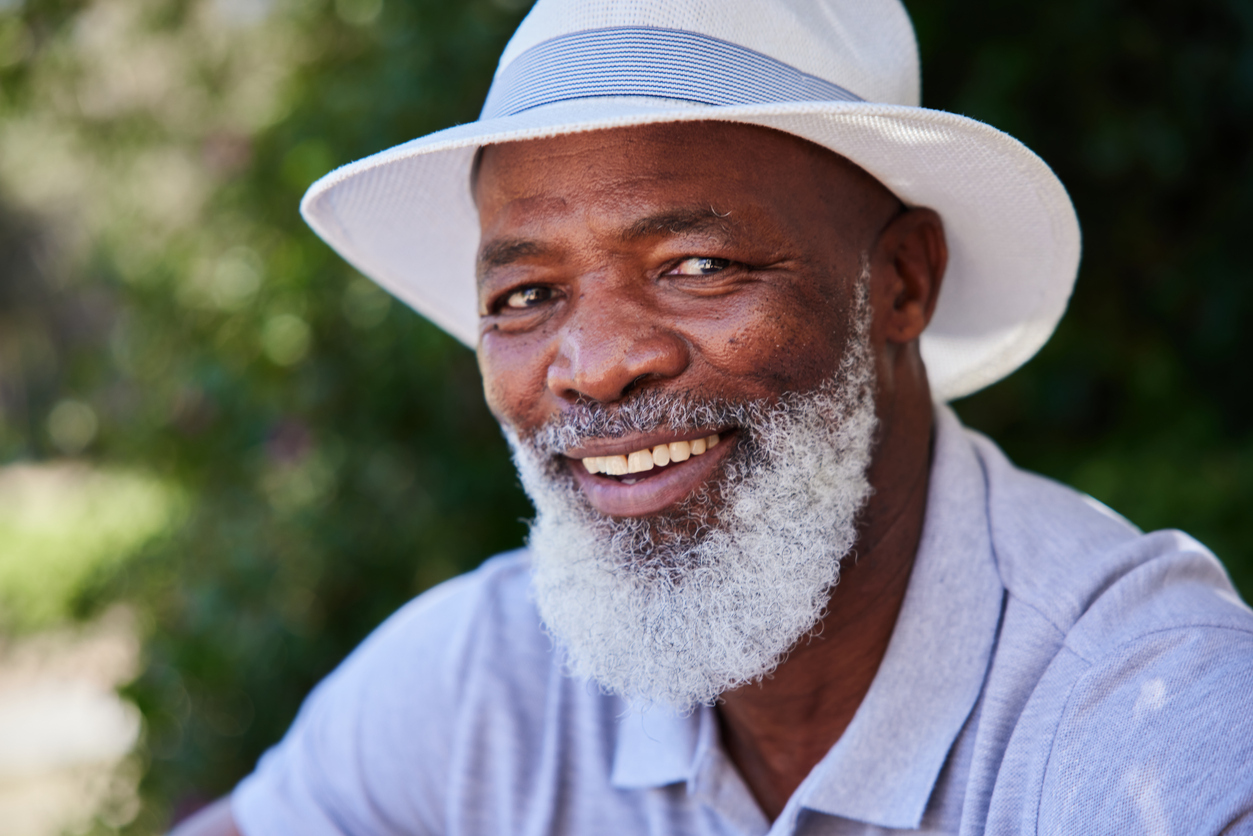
(660, 610)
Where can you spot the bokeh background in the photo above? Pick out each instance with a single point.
(219, 440)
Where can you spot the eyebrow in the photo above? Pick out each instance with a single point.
(505, 251)
(705, 219)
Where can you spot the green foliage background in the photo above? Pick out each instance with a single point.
(331, 450)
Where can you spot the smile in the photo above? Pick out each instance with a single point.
(655, 475)
(644, 460)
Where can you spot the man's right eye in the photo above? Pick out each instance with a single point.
(528, 297)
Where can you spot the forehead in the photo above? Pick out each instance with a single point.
(632, 172)
(683, 144)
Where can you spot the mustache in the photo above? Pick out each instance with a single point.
(645, 411)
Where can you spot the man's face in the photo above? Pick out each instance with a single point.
(710, 259)
(646, 289)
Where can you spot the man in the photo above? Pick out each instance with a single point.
(723, 291)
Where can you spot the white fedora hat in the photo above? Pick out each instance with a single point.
(839, 73)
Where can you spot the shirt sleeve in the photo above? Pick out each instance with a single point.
(364, 755)
(1158, 741)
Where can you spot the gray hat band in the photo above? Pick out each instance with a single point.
(644, 61)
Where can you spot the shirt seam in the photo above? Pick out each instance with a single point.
(1148, 633)
(1048, 760)
(1061, 632)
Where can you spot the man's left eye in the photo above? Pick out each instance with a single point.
(528, 297)
(699, 266)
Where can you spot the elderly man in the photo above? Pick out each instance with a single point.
(727, 274)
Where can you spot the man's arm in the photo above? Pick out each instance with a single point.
(214, 820)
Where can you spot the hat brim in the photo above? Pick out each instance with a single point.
(405, 218)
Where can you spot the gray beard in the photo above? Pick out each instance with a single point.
(678, 608)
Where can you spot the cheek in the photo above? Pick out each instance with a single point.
(514, 381)
(780, 347)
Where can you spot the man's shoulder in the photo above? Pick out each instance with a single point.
(502, 580)
(461, 617)
(1154, 736)
(388, 725)
(1157, 734)
(1133, 660)
(436, 645)
(1094, 577)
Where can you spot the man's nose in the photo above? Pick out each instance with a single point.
(607, 347)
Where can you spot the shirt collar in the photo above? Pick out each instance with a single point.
(883, 769)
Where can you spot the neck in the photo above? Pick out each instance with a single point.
(778, 729)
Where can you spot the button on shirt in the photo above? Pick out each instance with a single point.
(1052, 670)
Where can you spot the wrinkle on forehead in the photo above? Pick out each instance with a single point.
(680, 144)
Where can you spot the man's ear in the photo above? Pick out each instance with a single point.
(912, 253)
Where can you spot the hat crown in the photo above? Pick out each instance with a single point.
(865, 46)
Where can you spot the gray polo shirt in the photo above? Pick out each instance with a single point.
(1053, 670)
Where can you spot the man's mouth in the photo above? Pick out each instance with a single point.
(642, 461)
(655, 475)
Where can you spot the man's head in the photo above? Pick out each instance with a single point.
(646, 287)
(698, 218)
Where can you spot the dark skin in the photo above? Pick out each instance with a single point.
(720, 260)
(717, 259)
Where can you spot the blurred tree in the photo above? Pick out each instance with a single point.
(333, 448)
(1144, 110)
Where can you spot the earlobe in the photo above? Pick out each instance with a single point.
(913, 248)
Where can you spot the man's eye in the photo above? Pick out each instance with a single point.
(528, 297)
(699, 266)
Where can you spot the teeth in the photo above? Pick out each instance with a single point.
(614, 465)
(639, 461)
(642, 460)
